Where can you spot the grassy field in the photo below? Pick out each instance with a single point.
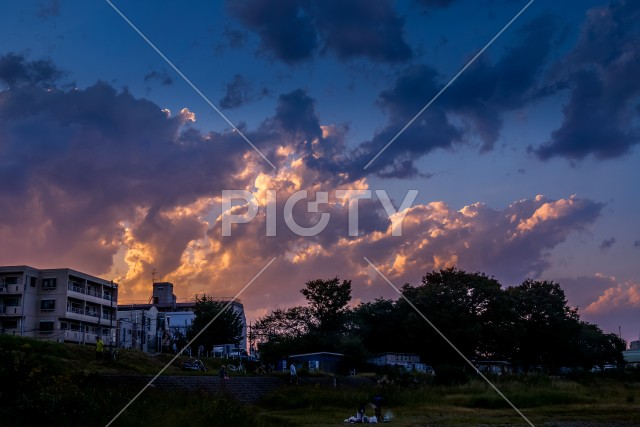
(55, 384)
(544, 402)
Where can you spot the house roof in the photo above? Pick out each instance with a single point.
(316, 354)
(394, 353)
(631, 356)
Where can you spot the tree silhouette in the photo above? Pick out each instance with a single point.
(226, 329)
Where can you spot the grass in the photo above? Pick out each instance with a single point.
(56, 384)
(550, 401)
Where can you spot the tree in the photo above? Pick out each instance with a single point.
(595, 348)
(328, 302)
(226, 328)
(287, 323)
(463, 306)
(319, 326)
(547, 329)
(376, 325)
(283, 332)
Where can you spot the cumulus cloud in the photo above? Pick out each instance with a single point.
(604, 300)
(618, 296)
(99, 180)
(82, 167)
(294, 30)
(617, 307)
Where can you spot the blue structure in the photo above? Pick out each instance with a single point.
(321, 361)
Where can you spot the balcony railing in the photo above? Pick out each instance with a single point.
(75, 288)
(11, 310)
(76, 310)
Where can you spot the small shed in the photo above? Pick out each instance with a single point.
(390, 358)
(321, 361)
(495, 367)
(632, 357)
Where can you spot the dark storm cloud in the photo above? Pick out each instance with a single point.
(77, 165)
(296, 114)
(237, 93)
(485, 91)
(284, 27)
(479, 97)
(368, 28)
(607, 244)
(293, 30)
(600, 118)
(431, 131)
(16, 70)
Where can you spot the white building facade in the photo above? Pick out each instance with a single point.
(59, 304)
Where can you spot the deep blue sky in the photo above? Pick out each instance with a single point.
(526, 166)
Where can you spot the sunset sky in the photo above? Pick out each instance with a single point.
(526, 166)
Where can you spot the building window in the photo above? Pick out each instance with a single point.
(47, 304)
(10, 324)
(46, 326)
(12, 302)
(32, 281)
(64, 326)
(11, 280)
(50, 283)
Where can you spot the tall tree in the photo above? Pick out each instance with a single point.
(461, 305)
(225, 329)
(547, 328)
(376, 325)
(328, 302)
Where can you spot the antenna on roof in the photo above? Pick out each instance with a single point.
(153, 280)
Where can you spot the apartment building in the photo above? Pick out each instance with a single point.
(149, 325)
(59, 304)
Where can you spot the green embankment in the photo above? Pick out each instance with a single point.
(44, 383)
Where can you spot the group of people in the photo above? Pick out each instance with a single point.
(361, 417)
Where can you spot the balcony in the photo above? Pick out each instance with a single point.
(11, 310)
(75, 288)
(95, 294)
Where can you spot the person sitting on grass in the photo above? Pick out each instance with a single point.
(376, 403)
(360, 416)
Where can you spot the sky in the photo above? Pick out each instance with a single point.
(122, 125)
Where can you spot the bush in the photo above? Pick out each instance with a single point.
(448, 375)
